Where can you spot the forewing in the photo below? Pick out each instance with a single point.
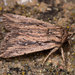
(29, 36)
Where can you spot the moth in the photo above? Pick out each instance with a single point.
(27, 35)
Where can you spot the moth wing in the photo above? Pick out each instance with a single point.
(13, 46)
(17, 21)
(29, 36)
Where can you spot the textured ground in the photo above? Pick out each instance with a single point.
(59, 14)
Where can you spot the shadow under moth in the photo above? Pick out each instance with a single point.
(28, 35)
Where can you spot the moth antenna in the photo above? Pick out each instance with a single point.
(54, 50)
(62, 53)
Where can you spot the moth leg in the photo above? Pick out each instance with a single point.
(62, 53)
(54, 50)
(69, 42)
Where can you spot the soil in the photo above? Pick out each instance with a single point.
(55, 12)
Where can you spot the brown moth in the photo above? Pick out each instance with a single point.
(28, 35)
